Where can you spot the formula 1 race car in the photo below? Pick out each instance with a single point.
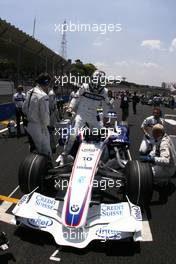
(98, 196)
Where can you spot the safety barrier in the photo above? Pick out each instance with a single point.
(7, 111)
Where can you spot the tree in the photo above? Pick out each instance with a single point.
(80, 69)
(89, 69)
(79, 62)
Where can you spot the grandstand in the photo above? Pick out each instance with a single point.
(22, 57)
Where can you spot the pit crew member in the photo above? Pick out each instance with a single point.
(88, 99)
(146, 127)
(36, 108)
(162, 156)
(18, 100)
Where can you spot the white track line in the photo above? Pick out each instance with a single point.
(53, 256)
(146, 230)
(5, 217)
(14, 191)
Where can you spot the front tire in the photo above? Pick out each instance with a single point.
(139, 185)
(32, 172)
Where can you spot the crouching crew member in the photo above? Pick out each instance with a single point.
(162, 156)
(146, 127)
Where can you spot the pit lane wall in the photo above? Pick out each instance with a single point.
(6, 87)
(7, 110)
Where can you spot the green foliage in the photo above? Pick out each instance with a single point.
(89, 68)
(80, 69)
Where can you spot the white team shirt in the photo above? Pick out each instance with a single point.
(149, 122)
(18, 99)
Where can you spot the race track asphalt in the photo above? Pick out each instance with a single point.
(34, 247)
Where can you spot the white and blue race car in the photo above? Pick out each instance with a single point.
(98, 196)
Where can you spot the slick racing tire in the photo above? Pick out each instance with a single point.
(139, 185)
(32, 172)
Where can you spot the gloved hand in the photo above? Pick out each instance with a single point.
(147, 158)
(69, 112)
(69, 109)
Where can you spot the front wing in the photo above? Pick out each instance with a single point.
(104, 222)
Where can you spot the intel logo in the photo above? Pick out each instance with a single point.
(41, 222)
(107, 233)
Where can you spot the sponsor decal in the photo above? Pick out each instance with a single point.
(45, 202)
(74, 208)
(93, 96)
(84, 168)
(89, 150)
(41, 222)
(74, 214)
(112, 210)
(23, 200)
(108, 233)
(87, 158)
(136, 213)
(81, 179)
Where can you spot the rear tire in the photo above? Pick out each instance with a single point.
(139, 186)
(32, 172)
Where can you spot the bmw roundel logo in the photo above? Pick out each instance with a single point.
(74, 208)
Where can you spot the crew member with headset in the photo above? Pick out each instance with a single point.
(36, 109)
(18, 100)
